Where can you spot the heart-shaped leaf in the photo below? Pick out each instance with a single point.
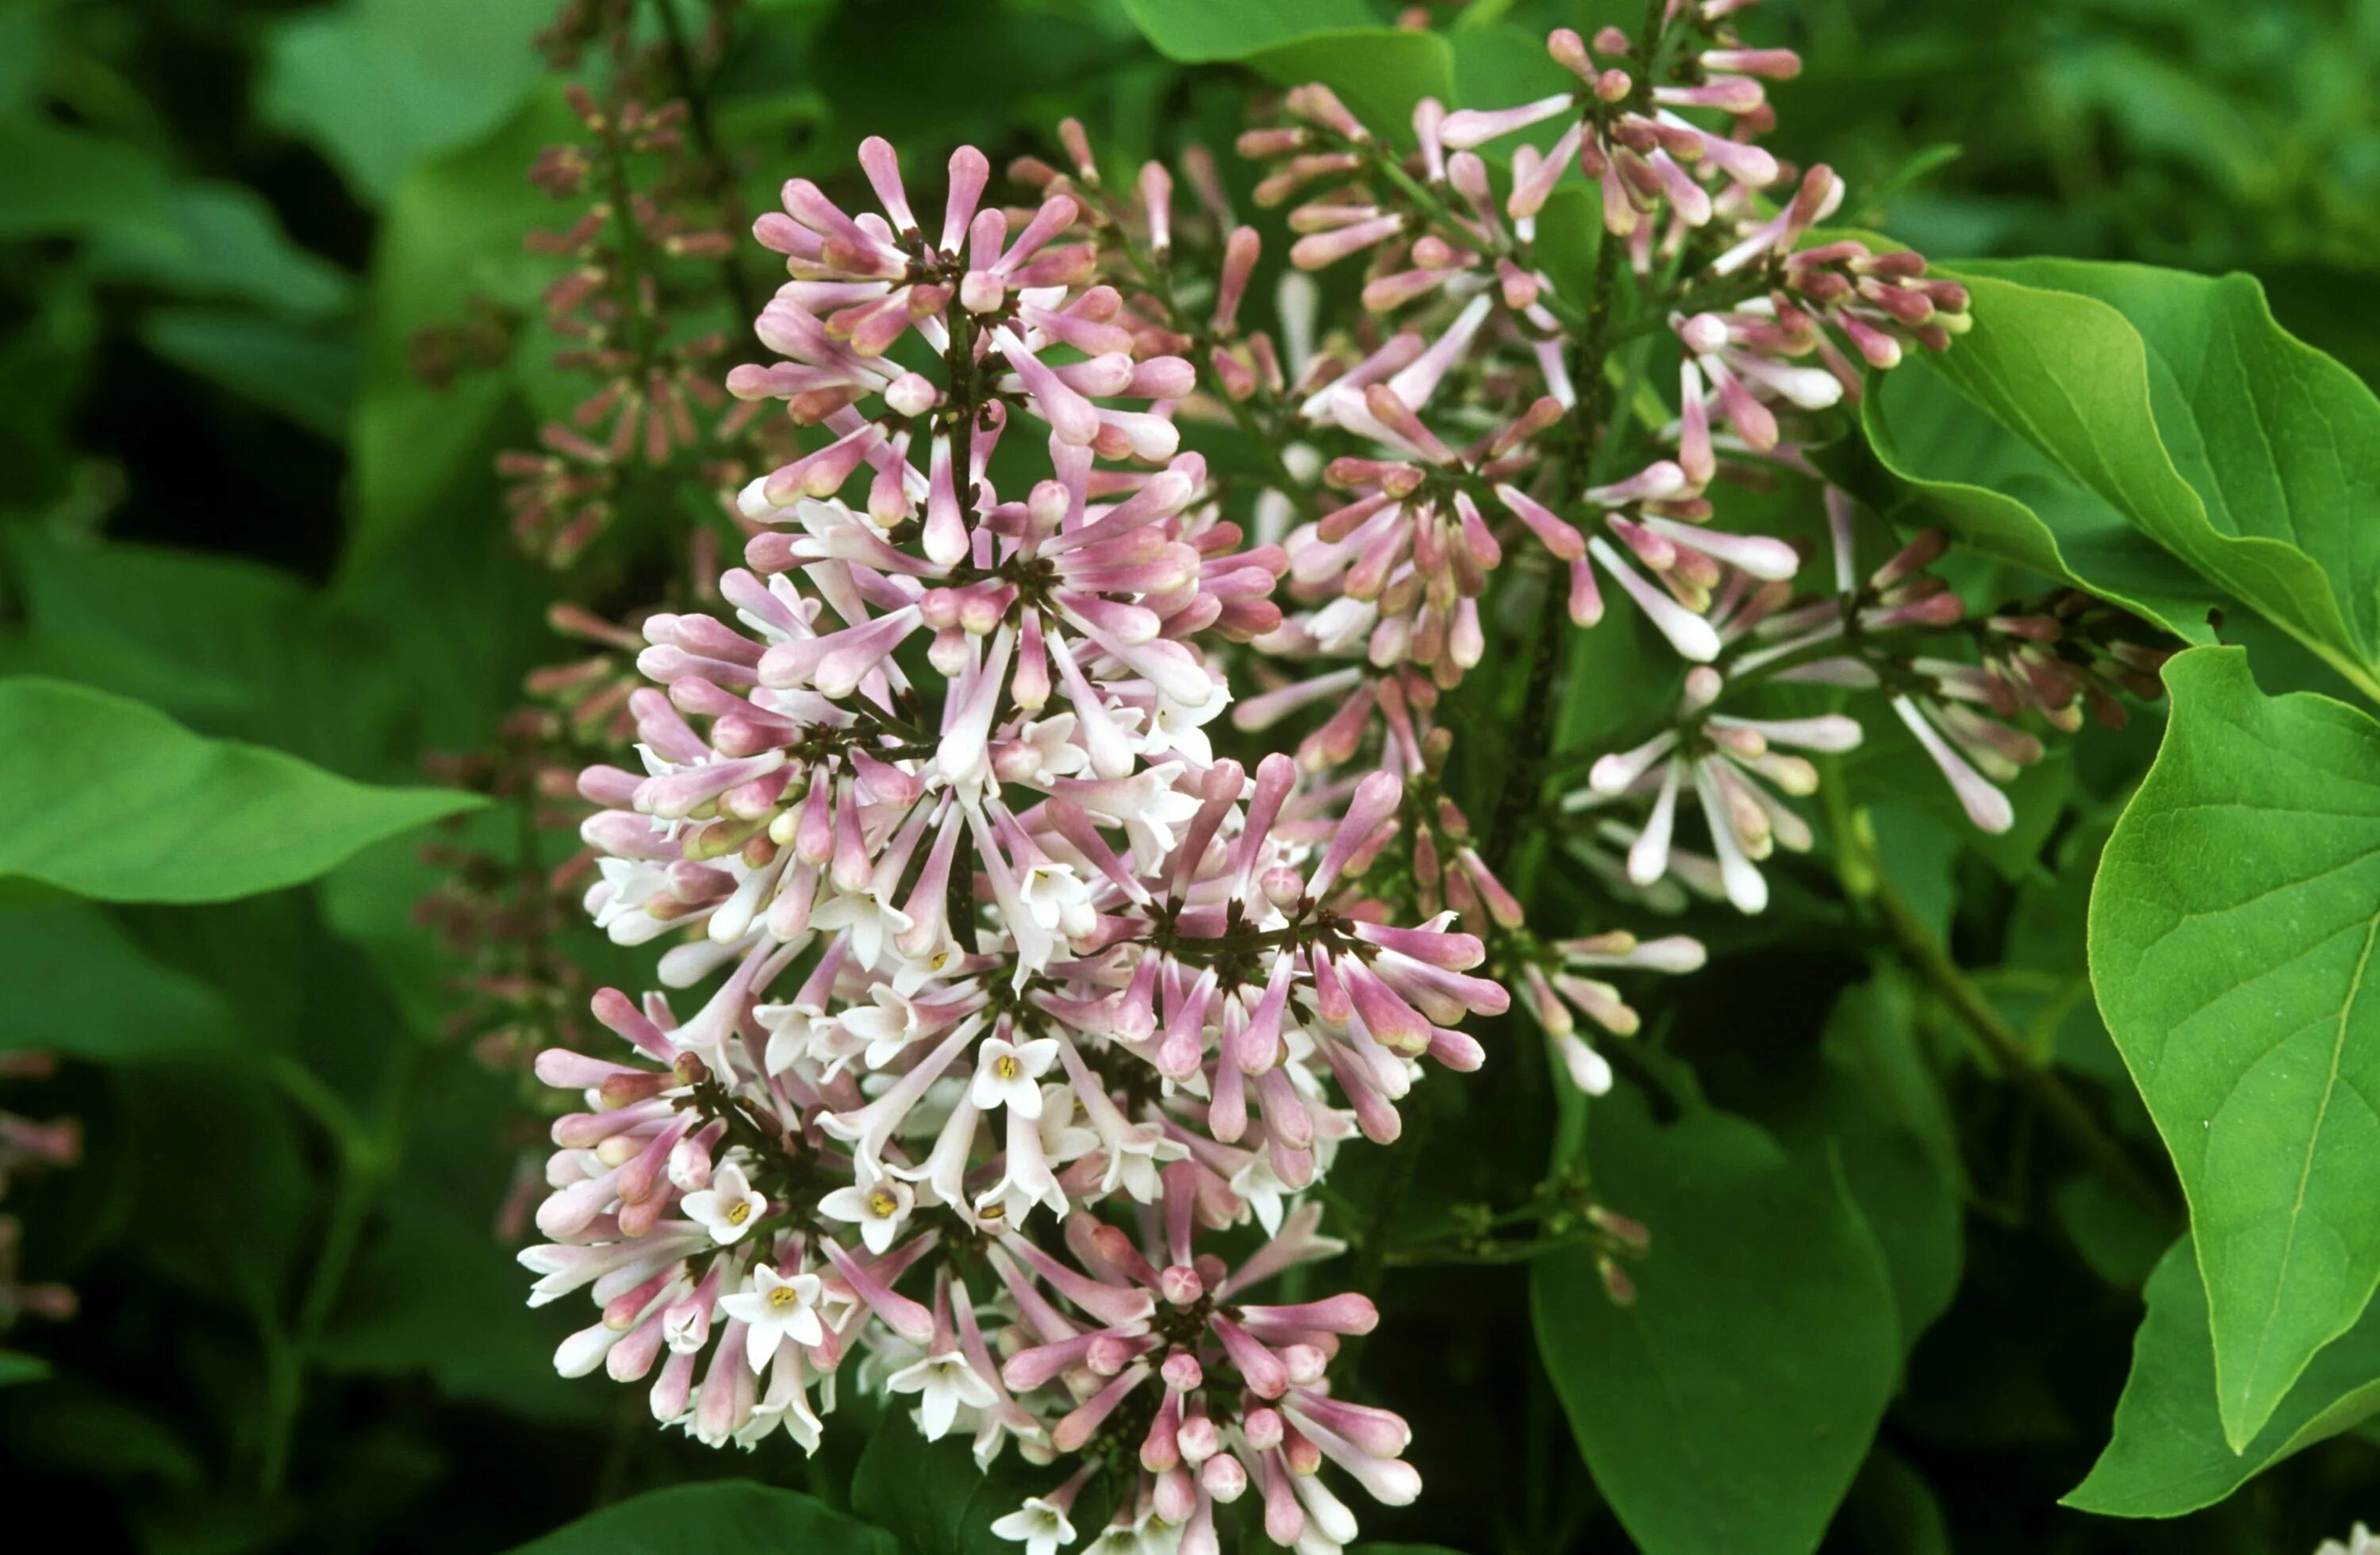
(2232, 930)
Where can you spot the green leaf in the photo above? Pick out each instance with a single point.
(1893, 1510)
(1878, 1107)
(2168, 1454)
(437, 1291)
(201, 636)
(224, 242)
(1379, 72)
(58, 182)
(1731, 1405)
(80, 988)
(1503, 63)
(74, 1427)
(933, 1499)
(2178, 400)
(723, 1517)
(114, 800)
(2232, 928)
(1570, 232)
(1970, 476)
(15, 1367)
(310, 380)
(1231, 29)
(382, 85)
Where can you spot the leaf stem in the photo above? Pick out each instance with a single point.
(2057, 1103)
(1519, 794)
(367, 1158)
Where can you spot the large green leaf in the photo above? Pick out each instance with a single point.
(382, 85)
(114, 800)
(1731, 1405)
(2177, 399)
(723, 1517)
(1876, 1103)
(1966, 473)
(199, 634)
(2169, 1455)
(1229, 29)
(931, 1496)
(2232, 928)
(59, 182)
(305, 377)
(1379, 72)
(224, 241)
(80, 987)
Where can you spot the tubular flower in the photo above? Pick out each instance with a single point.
(1890, 631)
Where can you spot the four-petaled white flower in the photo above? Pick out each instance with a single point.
(791, 1029)
(888, 1027)
(1055, 749)
(941, 1383)
(729, 1206)
(912, 973)
(1180, 727)
(1148, 807)
(1058, 901)
(627, 885)
(870, 919)
(1263, 1191)
(1008, 1073)
(877, 1207)
(1039, 1526)
(774, 1309)
(1134, 1154)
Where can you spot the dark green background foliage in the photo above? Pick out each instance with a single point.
(1889, 1308)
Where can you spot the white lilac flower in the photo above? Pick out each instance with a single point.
(1039, 1526)
(944, 1383)
(776, 1308)
(877, 1207)
(1008, 1073)
(728, 1209)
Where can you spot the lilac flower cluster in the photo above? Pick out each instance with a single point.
(1772, 326)
(1029, 997)
(1004, 939)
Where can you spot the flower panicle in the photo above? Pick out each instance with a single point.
(992, 939)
